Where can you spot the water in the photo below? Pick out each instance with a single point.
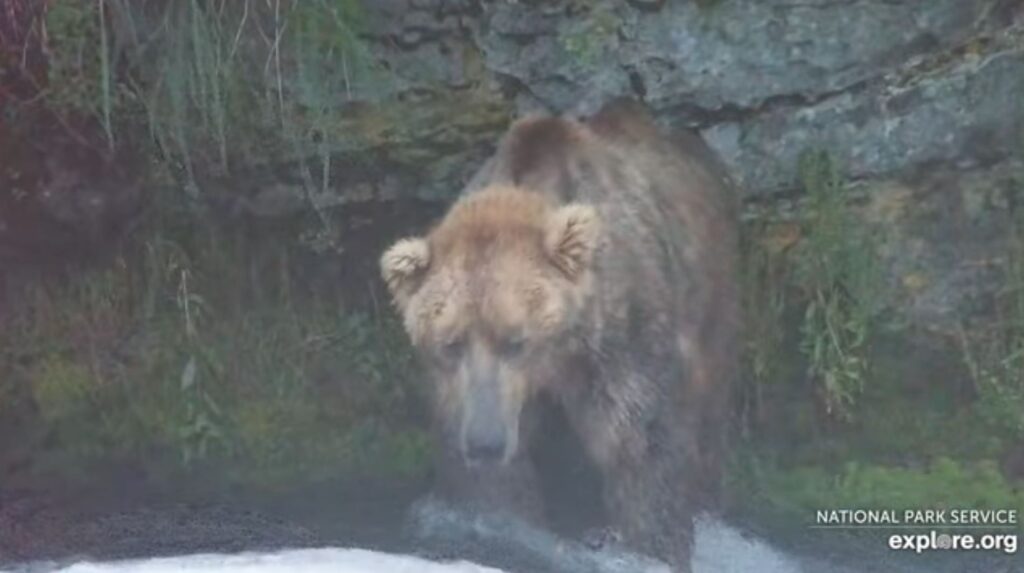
(439, 539)
(306, 560)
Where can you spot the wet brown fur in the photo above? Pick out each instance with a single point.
(610, 249)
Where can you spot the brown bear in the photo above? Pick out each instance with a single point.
(589, 263)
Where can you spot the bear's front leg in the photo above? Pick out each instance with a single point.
(646, 455)
(647, 500)
(511, 488)
(645, 449)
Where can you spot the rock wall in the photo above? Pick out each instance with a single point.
(919, 100)
(885, 86)
(918, 95)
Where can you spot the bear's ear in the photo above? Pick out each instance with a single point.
(571, 238)
(537, 148)
(402, 267)
(534, 153)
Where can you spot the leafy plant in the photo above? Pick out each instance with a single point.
(200, 429)
(201, 426)
(837, 273)
(80, 70)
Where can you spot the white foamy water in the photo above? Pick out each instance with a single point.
(719, 549)
(306, 560)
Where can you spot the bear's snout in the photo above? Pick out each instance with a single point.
(486, 446)
(485, 436)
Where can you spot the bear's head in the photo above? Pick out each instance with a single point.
(489, 299)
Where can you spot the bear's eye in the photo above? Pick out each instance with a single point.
(453, 349)
(512, 347)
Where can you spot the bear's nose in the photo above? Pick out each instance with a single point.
(485, 452)
(485, 443)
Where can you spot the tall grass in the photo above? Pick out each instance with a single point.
(836, 269)
(818, 272)
(219, 82)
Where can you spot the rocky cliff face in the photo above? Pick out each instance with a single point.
(885, 86)
(923, 96)
(919, 100)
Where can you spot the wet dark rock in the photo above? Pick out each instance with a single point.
(966, 114)
(62, 197)
(766, 80)
(941, 235)
(35, 526)
(885, 86)
(945, 240)
(504, 541)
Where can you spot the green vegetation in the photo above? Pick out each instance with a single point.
(838, 408)
(200, 347)
(76, 73)
(793, 495)
(900, 447)
(172, 357)
(217, 83)
(836, 272)
(995, 355)
(819, 274)
(586, 39)
(763, 275)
